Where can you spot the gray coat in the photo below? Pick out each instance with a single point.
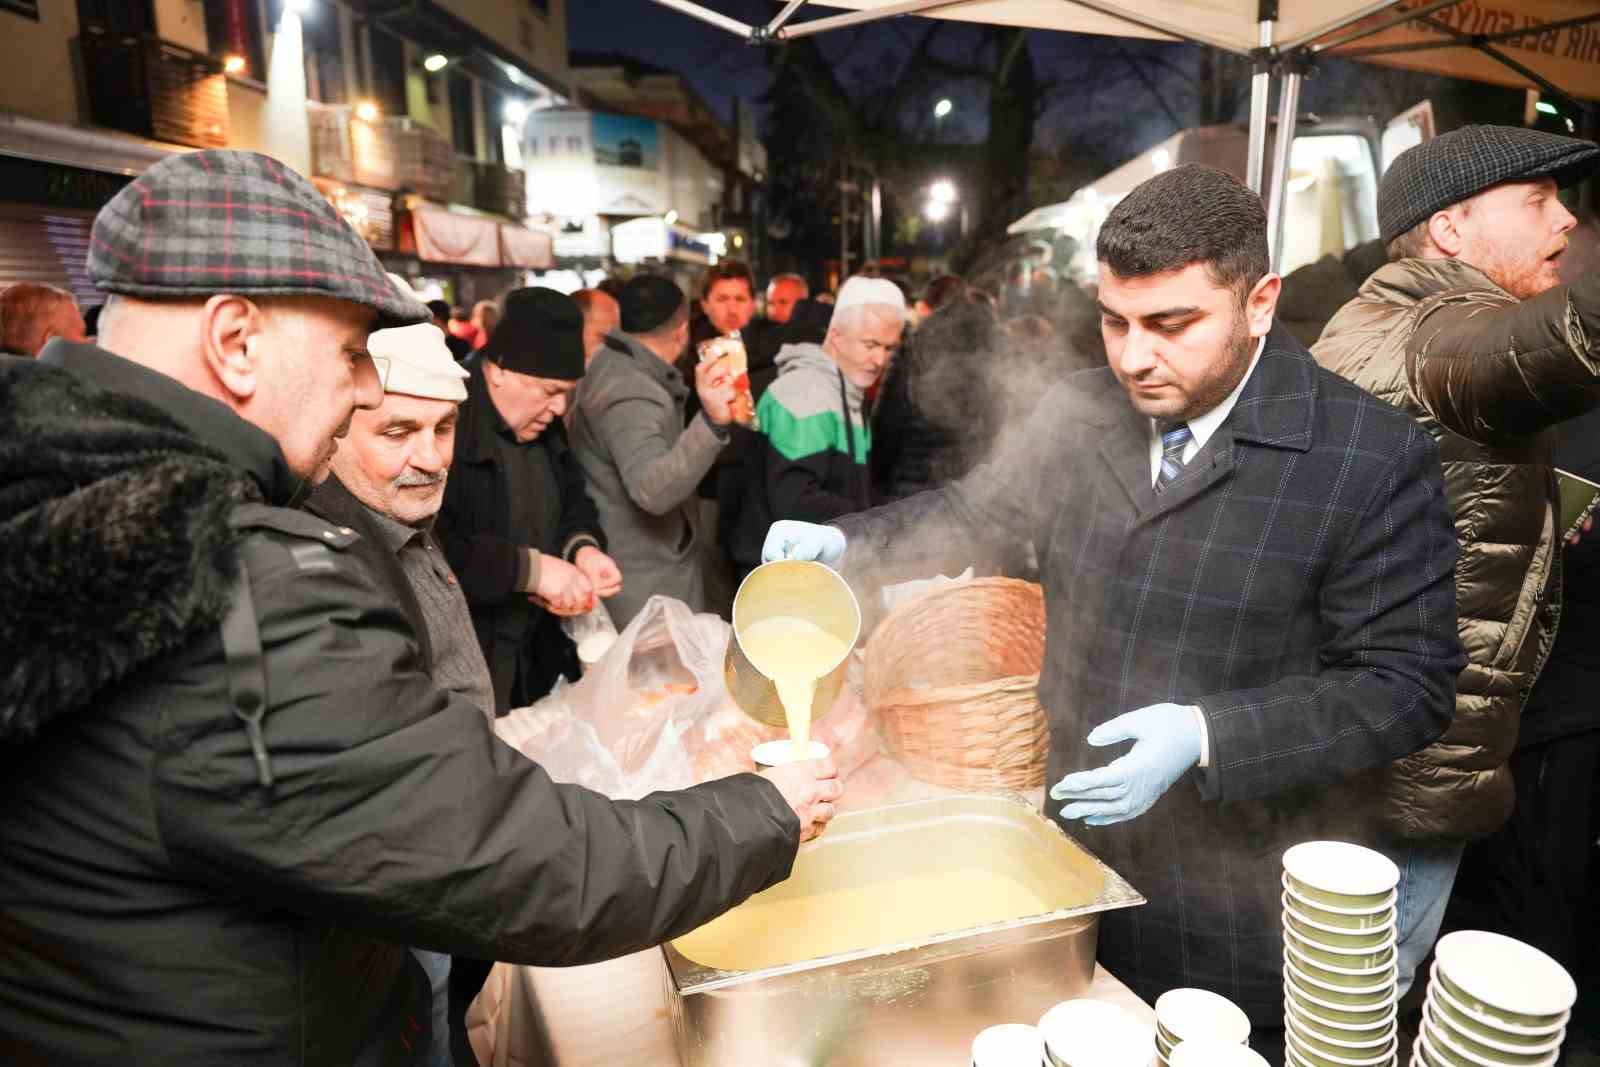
(643, 467)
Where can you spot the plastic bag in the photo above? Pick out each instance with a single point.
(592, 632)
(619, 729)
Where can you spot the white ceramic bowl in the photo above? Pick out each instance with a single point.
(1481, 1019)
(1323, 1021)
(1450, 1049)
(1335, 1044)
(1308, 1057)
(1008, 1045)
(1189, 1014)
(1366, 994)
(1209, 1052)
(1091, 1033)
(1302, 899)
(1475, 1039)
(1343, 1014)
(1505, 976)
(1340, 874)
(1306, 961)
(1328, 934)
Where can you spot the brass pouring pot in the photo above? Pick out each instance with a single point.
(795, 588)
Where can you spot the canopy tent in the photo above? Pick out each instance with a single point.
(1551, 45)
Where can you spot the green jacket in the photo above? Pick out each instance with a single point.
(1487, 376)
(810, 459)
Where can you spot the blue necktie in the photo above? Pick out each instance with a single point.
(1175, 436)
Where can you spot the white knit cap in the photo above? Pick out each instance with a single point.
(879, 291)
(419, 362)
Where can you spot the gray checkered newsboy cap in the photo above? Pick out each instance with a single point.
(1462, 163)
(237, 222)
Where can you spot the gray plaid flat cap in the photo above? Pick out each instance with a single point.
(237, 222)
(1464, 162)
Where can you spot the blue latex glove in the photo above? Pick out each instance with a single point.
(1166, 744)
(790, 539)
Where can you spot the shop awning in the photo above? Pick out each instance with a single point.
(436, 235)
(525, 248)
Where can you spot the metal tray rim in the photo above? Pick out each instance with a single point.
(689, 977)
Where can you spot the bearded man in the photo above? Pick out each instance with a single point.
(1468, 329)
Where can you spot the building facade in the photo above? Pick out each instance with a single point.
(406, 113)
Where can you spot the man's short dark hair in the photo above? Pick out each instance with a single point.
(1189, 214)
(440, 309)
(727, 270)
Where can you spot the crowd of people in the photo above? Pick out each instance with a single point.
(281, 541)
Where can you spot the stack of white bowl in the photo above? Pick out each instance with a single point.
(1093, 1033)
(1493, 1000)
(1196, 1015)
(1340, 980)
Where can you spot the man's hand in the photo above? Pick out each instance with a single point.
(1166, 744)
(811, 788)
(1586, 527)
(601, 570)
(790, 539)
(563, 589)
(715, 386)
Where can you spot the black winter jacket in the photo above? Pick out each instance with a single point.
(474, 530)
(177, 890)
(1566, 699)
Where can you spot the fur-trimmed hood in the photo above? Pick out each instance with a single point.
(114, 535)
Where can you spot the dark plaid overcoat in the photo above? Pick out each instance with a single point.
(1295, 583)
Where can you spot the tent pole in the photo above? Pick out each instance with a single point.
(705, 14)
(783, 16)
(1260, 97)
(1288, 118)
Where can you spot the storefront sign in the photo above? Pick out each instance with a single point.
(61, 186)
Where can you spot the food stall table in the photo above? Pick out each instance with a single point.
(615, 1012)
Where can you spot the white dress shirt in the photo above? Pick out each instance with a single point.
(1201, 429)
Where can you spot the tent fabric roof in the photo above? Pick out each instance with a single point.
(1229, 24)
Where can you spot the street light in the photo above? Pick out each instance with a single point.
(233, 64)
(936, 210)
(435, 63)
(942, 108)
(942, 191)
(367, 111)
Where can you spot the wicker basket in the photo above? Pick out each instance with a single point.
(953, 678)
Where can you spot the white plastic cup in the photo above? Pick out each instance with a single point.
(770, 754)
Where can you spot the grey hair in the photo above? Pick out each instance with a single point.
(853, 319)
(777, 279)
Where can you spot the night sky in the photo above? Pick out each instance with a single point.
(1108, 100)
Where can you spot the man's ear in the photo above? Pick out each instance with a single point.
(1262, 304)
(231, 332)
(1446, 233)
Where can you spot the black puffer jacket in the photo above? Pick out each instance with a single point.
(173, 891)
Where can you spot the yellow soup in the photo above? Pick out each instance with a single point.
(794, 653)
(770, 933)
